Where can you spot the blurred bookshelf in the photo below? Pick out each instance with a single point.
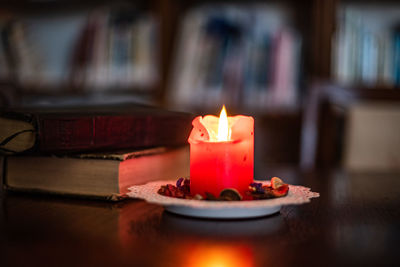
(247, 56)
(144, 49)
(366, 45)
(83, 52)
(259, 56)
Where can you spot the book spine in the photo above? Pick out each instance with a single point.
(388, 54)
(103, 133)
(396, 67)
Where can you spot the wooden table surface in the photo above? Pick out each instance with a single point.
(356, 220)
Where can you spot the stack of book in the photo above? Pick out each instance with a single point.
(367, 46)
(244, 56)
(92, 152)
(106, 48)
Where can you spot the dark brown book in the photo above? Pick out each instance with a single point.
(91, 129)
(105, 176)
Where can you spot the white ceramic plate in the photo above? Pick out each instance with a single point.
(223, 213)
(220, 209)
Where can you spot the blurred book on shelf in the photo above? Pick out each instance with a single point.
(4, 68)
(245, 56)
(367, 45)
(104, 48)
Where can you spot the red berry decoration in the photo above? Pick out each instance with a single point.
(276, 182)
(281, 191)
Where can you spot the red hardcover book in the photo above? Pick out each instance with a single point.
(91, 129)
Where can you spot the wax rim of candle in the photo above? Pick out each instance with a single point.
(205, 127)
(218, 142)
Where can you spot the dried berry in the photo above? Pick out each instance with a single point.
(197, 197)
(177, 191)
(276, 182)
(230, 194)
(210, 196)
(256, 187)
(179, 182)
(186, 186)
(186, 182)
(281, 191)
(162, 190)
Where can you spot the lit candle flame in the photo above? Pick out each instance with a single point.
(223, 128)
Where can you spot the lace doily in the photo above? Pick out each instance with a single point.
(297, 195)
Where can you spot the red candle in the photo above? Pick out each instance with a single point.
(221, 153)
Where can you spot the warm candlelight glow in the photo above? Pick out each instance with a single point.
(223, 128)
(217, 255)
